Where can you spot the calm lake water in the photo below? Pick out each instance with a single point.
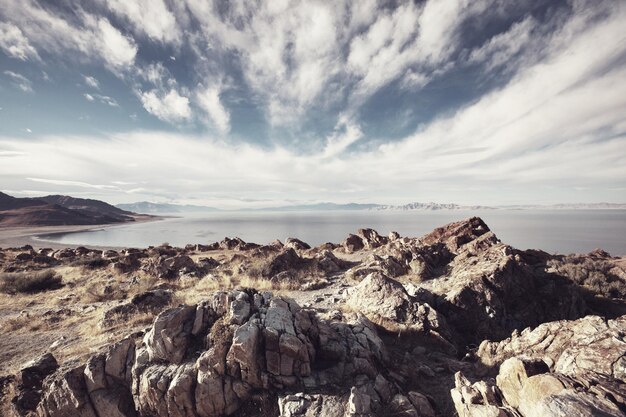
(555, 231)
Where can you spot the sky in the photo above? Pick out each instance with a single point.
(258, 103)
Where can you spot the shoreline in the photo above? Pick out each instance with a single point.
(17, 236)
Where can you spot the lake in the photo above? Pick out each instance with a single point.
(555, 231)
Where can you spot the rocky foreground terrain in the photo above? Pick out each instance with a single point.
(452, 323)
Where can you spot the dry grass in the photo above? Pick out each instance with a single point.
(127, 323)
(29, 282)
(197, 291)
(21, 323)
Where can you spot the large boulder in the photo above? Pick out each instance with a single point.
(386, 300)
(287, 260)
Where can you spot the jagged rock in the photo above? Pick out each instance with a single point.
(455, 235)
(297, 244)
(353, 243)
(380, 296)
(209, 359)
(237, 244)
(169, 336)
(148, 301)
(30, 382)
(317, 405)
(574, 348)
(359, 403)
(329, 263)
(66, 395)
(248, 353)
(287, 260)
(490, 292)
(109, 254)
(371, 239)
(386, 265)
(568, 368)
(172, 267)
(207, 264)
(422, 404)
(476, 400)
(513, 374)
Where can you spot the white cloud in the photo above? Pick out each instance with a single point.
(500, 49)
(20, 81)
(555, 127)
(92, 37)
(110, 101)
(168, 106)
(117, 49)
(15, 44)
(72, 183)
(91, 82)
(209, 101)
(346, 133)
(150, 17)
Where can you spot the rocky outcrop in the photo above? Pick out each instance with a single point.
(296, 244)
(390, 326)
(488, 290)
(364, 239)
(386, 301)
(229, 352)
(574, 348)
(573, 368)
(172, 267)
(145, 302)
(30, 382)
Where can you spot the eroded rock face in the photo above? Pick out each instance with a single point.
(565, 368)
(574, 348)
(378, 296)
(236, 348)
(30, 381)
(488, 291)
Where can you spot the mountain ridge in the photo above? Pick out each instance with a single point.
(58, 210)
(146, 207)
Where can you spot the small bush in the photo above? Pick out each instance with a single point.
(91, 263)
(29, 282)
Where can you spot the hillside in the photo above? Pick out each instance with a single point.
(58, 210)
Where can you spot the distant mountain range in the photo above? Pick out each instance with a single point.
(147, 207)
(164, 208)
(58, 210)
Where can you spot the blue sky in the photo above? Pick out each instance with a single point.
(245, 103)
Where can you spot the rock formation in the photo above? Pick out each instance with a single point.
(453, 323)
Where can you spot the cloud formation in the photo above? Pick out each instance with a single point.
(169, 106)
(15, 44)
(467, 101)
(20, 81)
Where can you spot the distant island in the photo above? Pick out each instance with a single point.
(59, 210)
(62, 210)
(145, 207)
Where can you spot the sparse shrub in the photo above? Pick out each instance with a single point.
(29, 282)
(92, 263)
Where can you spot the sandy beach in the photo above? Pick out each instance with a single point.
(28, 235)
